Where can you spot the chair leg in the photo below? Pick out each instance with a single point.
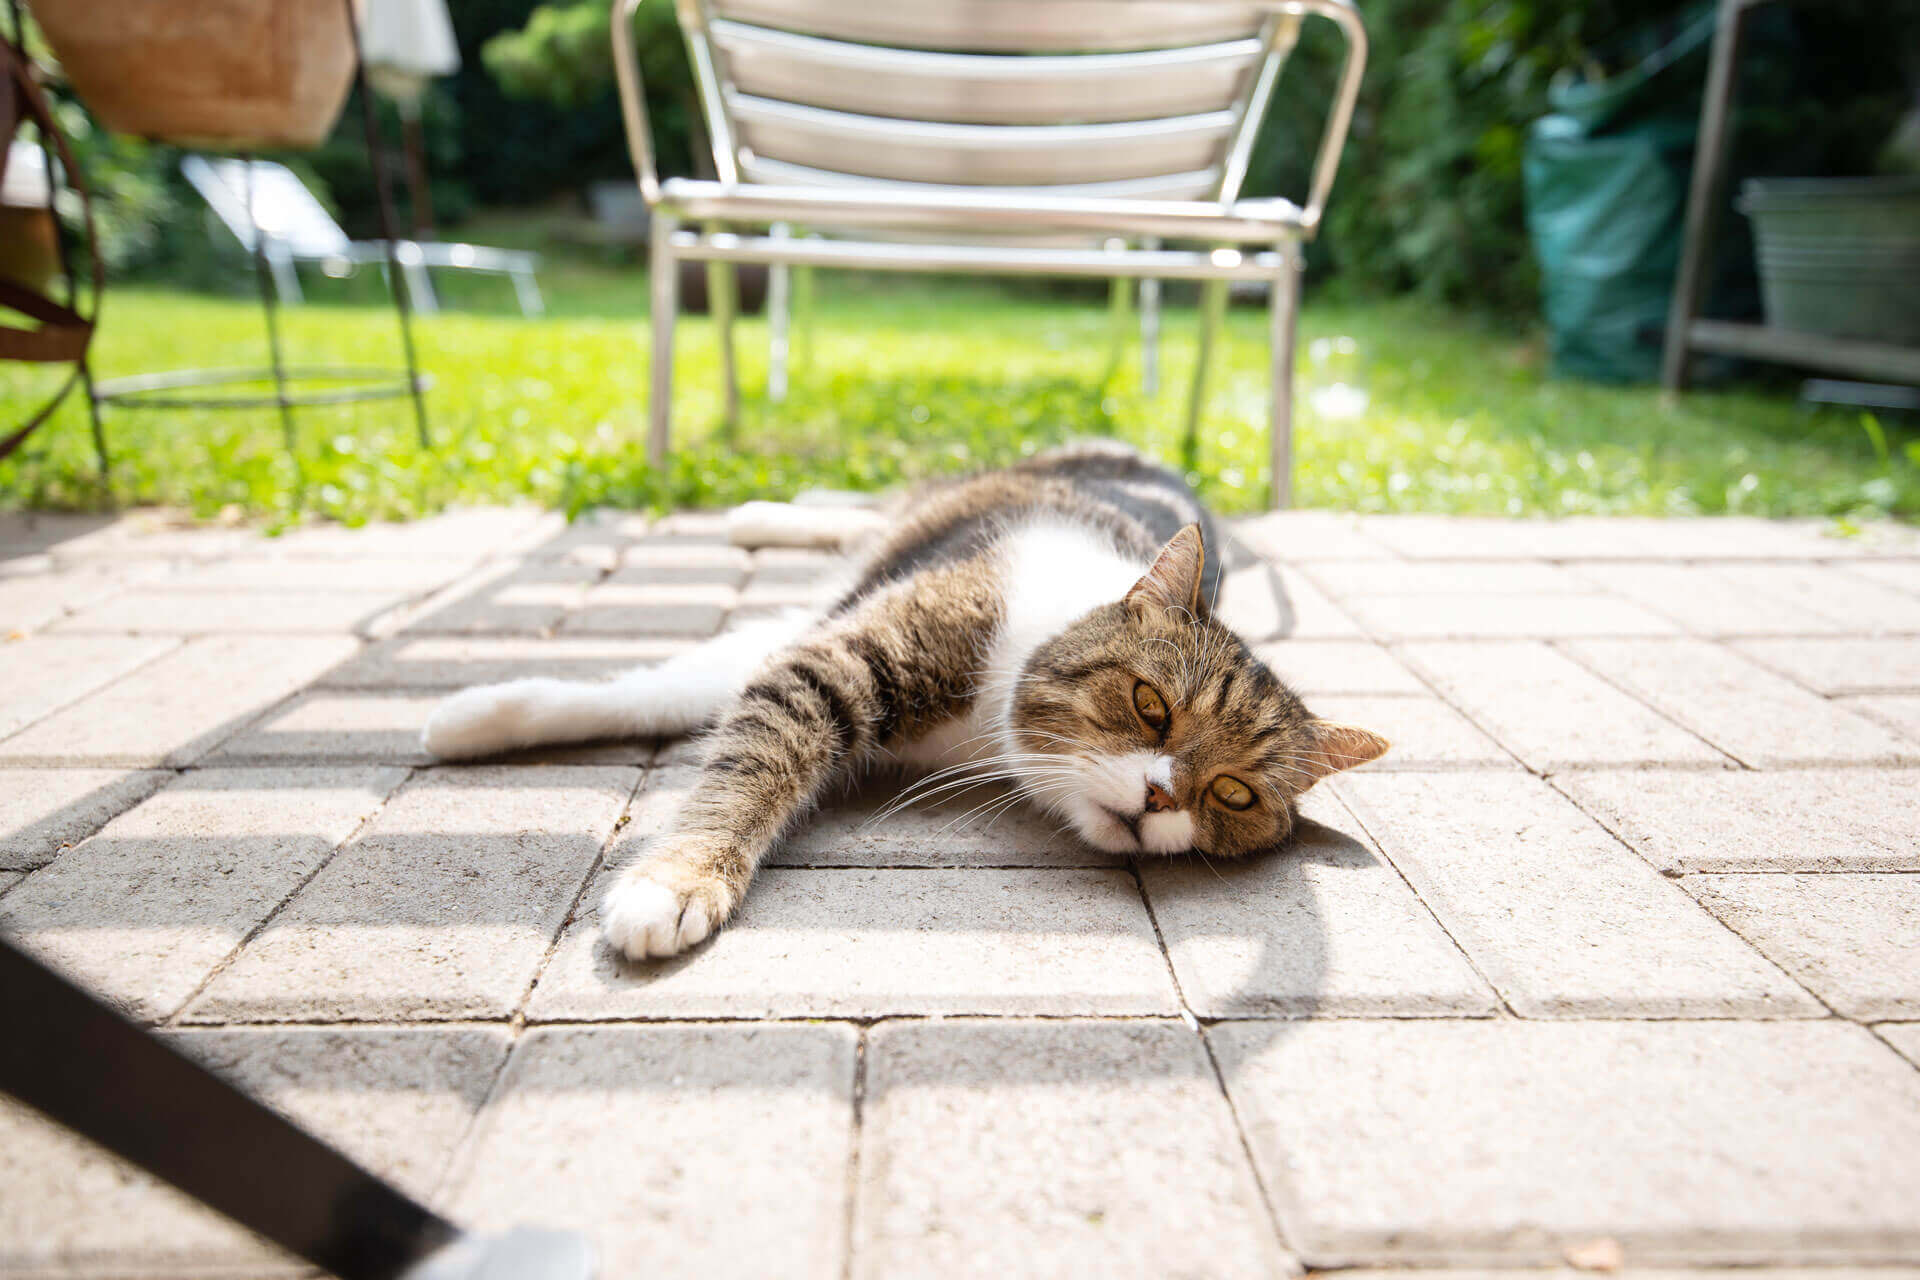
(664, 286)
(286, 280)
(722, 301)
(1213, 308)
(420, 288)
(1150, 328)
(527, 289)
(779, 291)
(1120, 311)
(1284, 320)
(800, 341)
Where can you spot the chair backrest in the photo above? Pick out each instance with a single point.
(1114, 97)
(282, 207)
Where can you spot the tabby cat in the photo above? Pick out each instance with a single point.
(1049, 625)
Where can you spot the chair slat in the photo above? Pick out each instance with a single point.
(979, 155)
(1002, 26)
(1195, 185)
(983, 89)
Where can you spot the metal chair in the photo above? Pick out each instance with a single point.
(297, 228)
(1119, 124)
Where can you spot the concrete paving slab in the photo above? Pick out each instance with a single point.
(796, 564)
(470, 533)
(971, 828)
(1564, 921)
(1506, 1141)
(148, 612)
(1904, 1037)
(1900, 712)
(1015, 1148)
(1425, 732)
(407, 576)
(454, 662)
(1858, 606)
(395, 1099)
(872, 943)
(1852, 939)
(1421, 537)
(1345, 578)
(41, 674)
(144, 911)
(513, 598)
(8, 879)
(649, 564)
(671, 609)
(711, 1151)
(443, 907)
(1799, 820)
(25, 533)
(1849, 665)
(1271, 602)
(1308, 535)
(1549, 710)
(176, 708)
(335, 727)
(33, 596)
(1497, 615)
(1901, 575)
(1759, 718)
(1704, 600)
(1310, 667)
(1324, 928)
(154, 535)
(44, 811)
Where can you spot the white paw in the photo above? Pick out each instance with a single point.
(643, 918)
(473, 722)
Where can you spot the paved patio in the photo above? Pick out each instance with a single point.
(1621, 943)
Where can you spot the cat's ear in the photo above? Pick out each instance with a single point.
(1338, 747)
(1174, 580)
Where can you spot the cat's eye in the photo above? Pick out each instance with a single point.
(1151, 706)
(1232, 792)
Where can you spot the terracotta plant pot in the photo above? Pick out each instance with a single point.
(237, 75)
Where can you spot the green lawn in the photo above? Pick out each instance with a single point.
(909, 377)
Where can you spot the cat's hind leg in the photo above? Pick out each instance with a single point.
(676, 696)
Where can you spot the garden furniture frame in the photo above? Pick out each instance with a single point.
(995, 134)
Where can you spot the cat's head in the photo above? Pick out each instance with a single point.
(1152, 728)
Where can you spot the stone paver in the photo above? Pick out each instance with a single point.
(1549, 710)
(31, 598)
(658, 564)
(1704, 600)
(960, 829)
(1311, 667)
(1496, 614)
(396, 1099)
(1425, 732)
(1597, 538)
(1308, 535)
(1898, 711)
(1857, 606)
(672, 609)
(41, 674)
(1052, 1148)
(1481, 1141)
(8, 879)
(309, 574)
(1759, 718)
(443, 908)
(515, 598)
(1842, 665)
(716, 1151)
(1268, 602)
(1344, 579)
(471, 533)
(205, 612)
(1325, 929)
(1802, 820)
(1903, 1036)
(454, 662)
(1854, 940)
(1902, 575)
(144, 911)
(43, 811)
(868, 943)
(176, 708)
(1564, 921)
(322, 727)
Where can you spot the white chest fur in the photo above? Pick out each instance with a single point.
(1052, 574)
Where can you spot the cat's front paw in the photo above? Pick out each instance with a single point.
(649, 914)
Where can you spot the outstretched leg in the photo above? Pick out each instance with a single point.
(677, 696)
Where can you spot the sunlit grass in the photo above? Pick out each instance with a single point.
(908, 378)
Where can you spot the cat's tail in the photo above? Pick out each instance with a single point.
(674, 697)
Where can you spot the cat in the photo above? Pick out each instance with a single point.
(1049, 625)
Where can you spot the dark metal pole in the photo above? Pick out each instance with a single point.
(265, 285)
(389, 234)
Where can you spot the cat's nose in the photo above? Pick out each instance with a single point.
(1159, 799)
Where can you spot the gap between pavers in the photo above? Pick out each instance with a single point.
(1703, 600)
(1904, 1037)
(43, 811)
(1842, 664)
(447, 663)
(442, 908)
(42, 674)
(1056, 1147)
(1503, 1142)
(1562, 919)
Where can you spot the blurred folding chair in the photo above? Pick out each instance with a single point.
(1018, 137)
(297, 228)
